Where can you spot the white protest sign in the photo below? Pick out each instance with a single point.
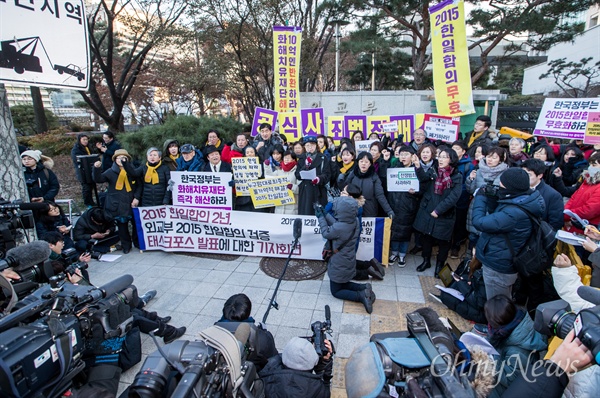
(441, 127)
(188, 229)
(402, 179)
(244, 170)
(363, 146)
(271, 192)
(44, 43)
(391, 127)
(202, 189)
(565, 118)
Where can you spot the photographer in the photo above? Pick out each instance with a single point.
(237, 309)
(108, 148)
(59, 260)
(95, 224)
(298, 372)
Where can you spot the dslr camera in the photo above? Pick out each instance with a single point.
(89, 249)
(491, 190)
(320, 331)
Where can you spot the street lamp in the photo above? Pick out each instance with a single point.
(337, 23)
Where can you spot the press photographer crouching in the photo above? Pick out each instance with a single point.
(95, 224)
(62, 258)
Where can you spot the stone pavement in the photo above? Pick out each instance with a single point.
(193, 290)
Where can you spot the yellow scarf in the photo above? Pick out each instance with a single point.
(151, 174)
(87, 150)
(174, 157)
(347, 167)
(218, 144)
(122, 181)
(474, 136)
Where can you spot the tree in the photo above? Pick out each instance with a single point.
(575, 79)
(25, 122)
(124, 36)
(12, 184)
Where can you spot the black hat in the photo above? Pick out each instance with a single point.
(515, 181)
(309, 138)
(210, 149)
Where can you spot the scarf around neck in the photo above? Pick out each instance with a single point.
(151, 174)
(345, 168)
(174, 157)
(497, 335)
(123, 181)
(443, 180)
(491, 173)
(288, 166)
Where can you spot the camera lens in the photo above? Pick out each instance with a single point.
(148, 384)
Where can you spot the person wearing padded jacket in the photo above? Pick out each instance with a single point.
(509, 221)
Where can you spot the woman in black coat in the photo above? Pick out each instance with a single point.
(81, 148)
(42, 183)
(405, 205)
(436, 215)
(123, 189)
(312, 191)
(55, 220)
(154, 177)
(366, 179)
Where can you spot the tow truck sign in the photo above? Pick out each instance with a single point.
(44, 43)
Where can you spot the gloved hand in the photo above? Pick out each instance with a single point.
(391, 214)
(315, 181)
(232, 183)
(170, 185)
(267, 162)
(308, 161)
(290, 186)
(318, 210)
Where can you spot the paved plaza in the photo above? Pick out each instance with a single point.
(193, 290)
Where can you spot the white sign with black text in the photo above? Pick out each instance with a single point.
(402, 179)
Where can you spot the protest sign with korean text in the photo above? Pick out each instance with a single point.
(186, 229)
(290, 125)
(402, 179)
(313, 121)
(44, 43)
(592, 131)
(245, 169)
(363, 146)
(270, 192)
(335, 127)
(565, 118)
(262, 115)
(451, 70)
(201, 189)
(441, 127)
(286, 67)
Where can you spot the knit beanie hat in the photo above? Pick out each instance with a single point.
(515, 181)
(34, 154)
(299, 354)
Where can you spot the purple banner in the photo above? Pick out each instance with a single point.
(406, 126)
(313, 121)
(262, 115)
(353, 123)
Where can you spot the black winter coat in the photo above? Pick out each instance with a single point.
(507, 220)
(41, 183)
(152, 194)
(78, 150)
(471, 308)
(444, 204)
(108, 154)
(309, 193)
(282, 382)
(554, 205)
(117, 203)
(85, 227)
(372, 191)
(405, 206)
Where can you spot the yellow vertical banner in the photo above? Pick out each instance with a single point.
(451, 71)
(335, 127)
(286, 67)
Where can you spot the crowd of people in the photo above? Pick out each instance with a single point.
(481, 192)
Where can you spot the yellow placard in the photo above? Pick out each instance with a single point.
(286, 67)
(271, 192)
(451, 71)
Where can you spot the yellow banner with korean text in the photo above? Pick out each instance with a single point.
(286, 67)
(451, 71)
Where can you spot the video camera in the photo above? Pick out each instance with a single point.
(320, 330)
(45, 342)
(555, 318)
(417, 362)
(13, 217)
(215, 366)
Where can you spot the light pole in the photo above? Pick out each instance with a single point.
(337, 23)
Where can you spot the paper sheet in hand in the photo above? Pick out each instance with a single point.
(569, 238)
(471, 339)
(452, 292)
(109, 258)
(576, 217)
(308, 174)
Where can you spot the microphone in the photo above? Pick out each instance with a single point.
(35, 206)
(297, 228)
(25, 256)
(589, 293)
(439, 333)
(242, 333)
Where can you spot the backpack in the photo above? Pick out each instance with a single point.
(536, 254)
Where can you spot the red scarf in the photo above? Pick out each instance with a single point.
(443, 180)
(289, 166)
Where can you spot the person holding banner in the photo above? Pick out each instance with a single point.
(190, 160)
(342, 170)
(266, 141)
(273, 163)
(288, 168)
(156, 176)
(313, 174)
(214, 163)
(419, 139)
(441, 188)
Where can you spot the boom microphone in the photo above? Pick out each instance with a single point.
(297, 228)
(26, 256)
(439, 333)
(35, 206)
(589, 293)
(110, 288)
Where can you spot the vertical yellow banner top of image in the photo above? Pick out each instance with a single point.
(451, 71)
(286, 67)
